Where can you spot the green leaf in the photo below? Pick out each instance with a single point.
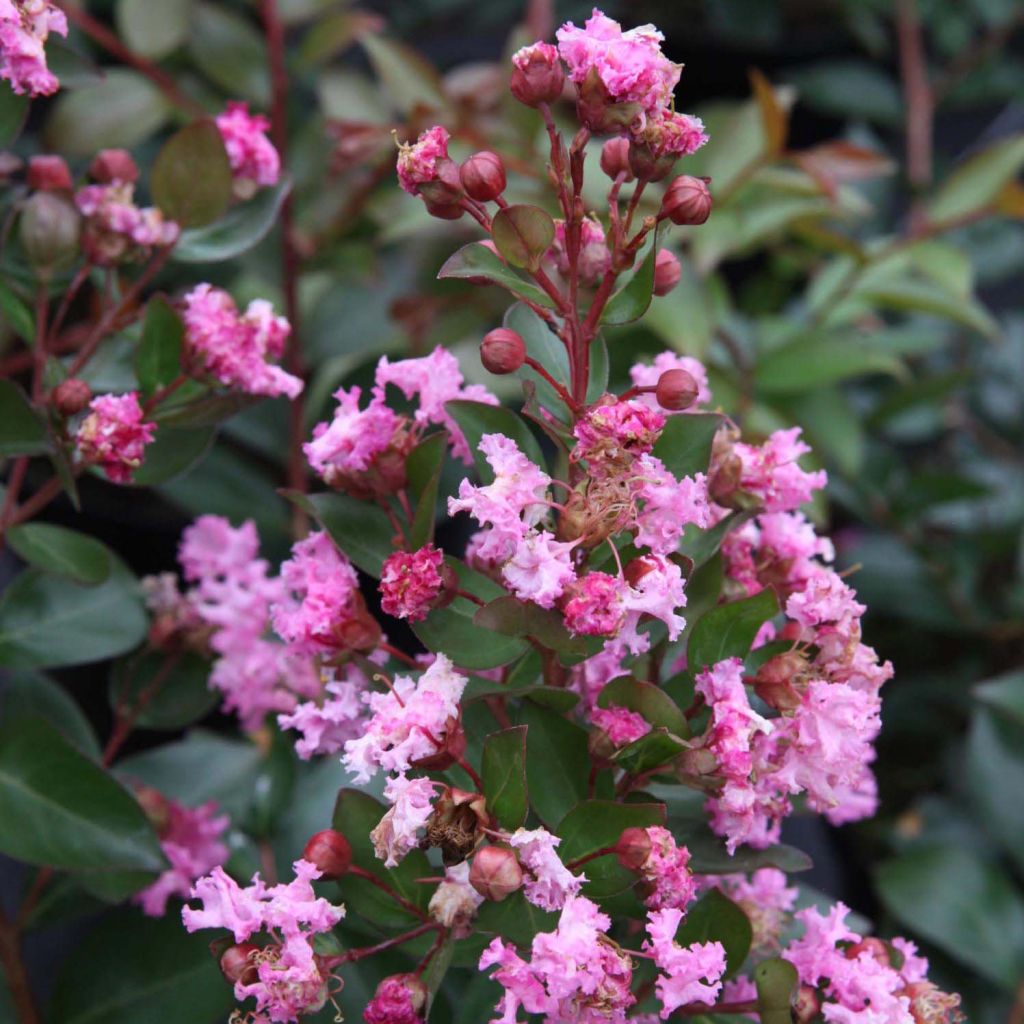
(777, 982)
(523, 234)
(158, 360)
(163, 974)
(13, 114)
(515, 919)
(685, 443)
(475, 262)
(16, 314)
(229, 50)
(967, 907)
(652, 751)
(646, 699)
(60, 809)
(410, 80)
(544, 346)
(854, 88)
(239, 230)
(977, 182)
(63, 552)
(206, 411)
(926, 297)
(728, 630)
(813, 362)
(173, 452)
(599, 369)
(153, 30)
(476, 419)
(21, 431)
(633, 299)
(360, 530)
(423, 470)
(504, 775)
(191, 177)
(557, 762)
(46, 621)
(118, 112)
(715, 918)
(175, 691)
(995, 776)
(510, 617)
(33, 694)
(702, 545)
(1005, 693)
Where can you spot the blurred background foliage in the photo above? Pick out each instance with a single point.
(862, 275)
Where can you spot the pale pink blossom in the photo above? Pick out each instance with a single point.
(455, 902)
(594, 605)
(767, 901)
(549, 882)
(24, 28)
(354, 437)
(669, 505)
(254, 160)
(116, 229)
(540, 568)
(772, 473)
(235, 347)
(328, 722)
(668, 881)
(418, 163)
(658, 592)
(688, 974)
(114, 436)
(646, 375)
(621, 725)
(411, 581)
(668, 133)
(411, 808)
(192, 842)
(825, 598)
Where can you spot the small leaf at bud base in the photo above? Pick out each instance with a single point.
(633, 848)
(483, 176)
(446, 187)
(615, 159)
(237, 963)
(667, 272)
(495, 873)
(49, 174)
(725, 480)
(523, 234)
(114, 165)
(686, 201)
(806, 1005)
(399, 999)
(601, 748)
(502, 351)
(444, 211)
(778, 681)
(597, 111)
(676, 390)
(330, 852)
(71, 396)
(49, 230)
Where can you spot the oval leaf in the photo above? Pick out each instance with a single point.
(475, 262)
(728, 630)
(504, 775)
(21, 431)
(63, 552)
(523, 234)
(191, 178)
(632, 300)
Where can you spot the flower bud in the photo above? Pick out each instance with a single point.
(600, 747)
(444, 211)
(360, 631)
(483, 176)
(444, 189)
(49, 174)
(155, 806)
(49, 230)
(676, 390)
(686, 201)
(725, 479)
(502, 351)
(330, 852)
(666, 272)
(237, 963)
(537, 75)
(615, 159)
(778, 680)
(399, 999)
(806, 1006)
(71, 396)
(647, 165)
(114, 165)
(633, 848)
(495, 873)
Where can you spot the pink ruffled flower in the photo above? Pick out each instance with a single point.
(666, 872)
(354, 437)
(24, 28)
(234, 347)
(253, 158)
(646, 375)
(690, 974)
(411, 581)
(393, 1003)
(772, 472)
(550, 882)
(669, 505)
(595, 258)
(670, 134)
(114, 435)
(192, 843)
(621, 725)
(328, 723)
(455, 902)
(595, 606)
(116, 229)
(411, 808)
(418, 163)
(824, 599)
(540, 568)
(658, 592)
(406, 722)
(765, 899)
(615, 432)
(321, 587)
(575, 974)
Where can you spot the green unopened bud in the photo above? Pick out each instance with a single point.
(49, 230)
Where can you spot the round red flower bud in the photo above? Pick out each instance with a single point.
(483, 176)
(444, 211)
(330, 852)
(49, 174)
(676, 390)
(502, 351)
(806, 1006)
(615, 159)
(495, 872)
(237, 964)
(399, 999)
(633, 848)
(537, 75)
(686, 201)
(666, 272)
(114, 165)
(71, 396)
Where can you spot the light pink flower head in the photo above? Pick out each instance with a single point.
(24, 28)
(418, 163)
(115, 228)
(550, 882)
(354, 437)
(689, 974)
(333, 718)
(613, 431)
(621, 725)
(540, 568)
(253, 158)
(455, 902)
(669, 505)
(595, 605)
(411, 808)
(773, 473)
(114, 435)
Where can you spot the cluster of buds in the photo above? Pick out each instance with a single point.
(50, 226)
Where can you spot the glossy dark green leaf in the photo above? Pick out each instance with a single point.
(728, 630)
(685, 443)
(191, 176)
(475, 262)
(652, 751)
(701, 545)
(61, 809)
(174, 451)
(599, 369)
(239, 230)
(272, 786)
(523, 234)
(647, 700)
(153, 30)
(995, 776)
(158, 360)
(510, 617)
(423, 470)
(504, 775)
(21, 431)
(16, 314)
(173, 691)
(633, 299)
(230, 51)
(194, 408)
(13, 113)
(777, 982)
(163, 974)
(47, 622)
(557, 762)
(62, 552)
(1004, 693)
(544, 346)
(32, 693)
(715, 918)
(812, 362)
(476, 419)
(515, 919)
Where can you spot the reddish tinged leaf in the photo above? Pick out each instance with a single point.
(836, 163)
(774, 116)
(523, 234)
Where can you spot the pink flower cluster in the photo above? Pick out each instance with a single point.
(24, 28)
(114, 435)
(765, 899)
(620, 725)
(666, 875)
(411, 808)
(115, 228)
(688, 974)
(548, 882)
(772, 473)
(335, 716)
(290, 980)
(192, 842)
(254, 160)
(234, 347)
(418, 163)
(411, 581)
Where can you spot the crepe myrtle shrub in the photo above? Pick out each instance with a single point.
(637, 666)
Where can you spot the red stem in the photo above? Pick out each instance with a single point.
(562, 393)
(920, 104)
(384, 887)
(124, 723)
(361, 954)
(14, 968)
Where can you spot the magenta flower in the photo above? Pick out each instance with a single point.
(411, 581)
(114, 435)
(24, 28)
(621, 725)
(254, 160)
(418, 163)
(595, 606)
(116, 229)
(772, 473)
